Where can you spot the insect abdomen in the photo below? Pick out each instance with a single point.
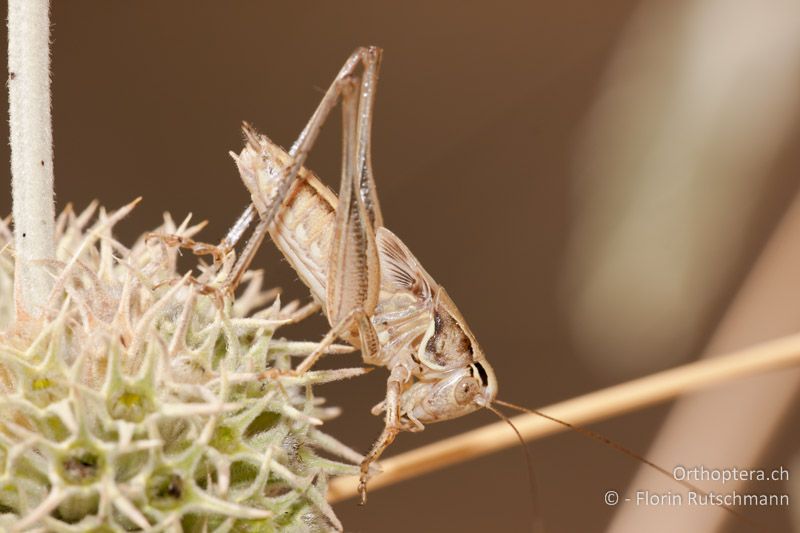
(303, 231)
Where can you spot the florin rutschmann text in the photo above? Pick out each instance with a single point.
(699, 497)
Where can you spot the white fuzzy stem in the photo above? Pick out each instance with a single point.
(31, 139)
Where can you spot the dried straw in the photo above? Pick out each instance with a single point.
(606, 403)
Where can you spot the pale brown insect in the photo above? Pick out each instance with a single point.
(372, 289)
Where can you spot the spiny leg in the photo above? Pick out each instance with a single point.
(246, 257)
(299, 151)
(358, 218)
(353, 281)
(353, 274)
(391, 427)
(238, 228)
(348, 274)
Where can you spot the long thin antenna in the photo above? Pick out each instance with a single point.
(627, 451)
(537, 523)
(619, 399)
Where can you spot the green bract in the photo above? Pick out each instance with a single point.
(136, 401)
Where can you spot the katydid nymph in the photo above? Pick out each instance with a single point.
(372, 289)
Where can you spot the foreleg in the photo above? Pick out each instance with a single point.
(392, 426)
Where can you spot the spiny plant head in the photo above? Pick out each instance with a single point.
(137, 400)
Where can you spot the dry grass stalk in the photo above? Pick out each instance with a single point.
(599, 405)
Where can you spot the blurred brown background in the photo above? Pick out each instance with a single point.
(488, 125)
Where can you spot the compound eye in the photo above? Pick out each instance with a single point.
(466, 390)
